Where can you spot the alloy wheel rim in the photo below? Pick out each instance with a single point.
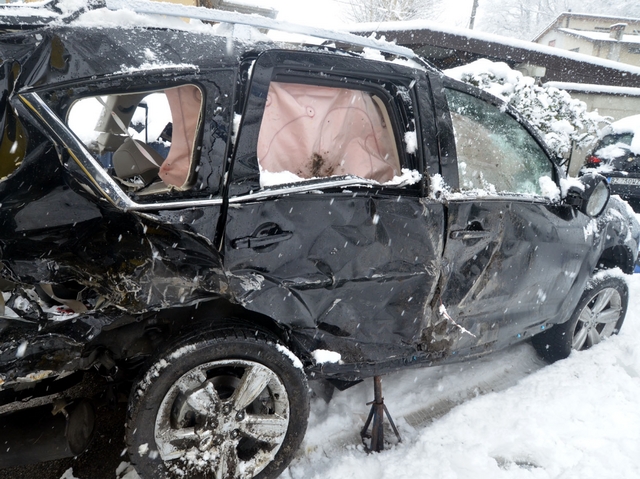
(228, 418)
(598, 319)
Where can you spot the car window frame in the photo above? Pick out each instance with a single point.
(377, 83)
(451, 147)
(88, 170)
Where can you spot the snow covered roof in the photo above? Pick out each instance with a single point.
(629, 124)
(600, 36)
(101, 13)
(591, 88)
(560, 64)
(608, 18)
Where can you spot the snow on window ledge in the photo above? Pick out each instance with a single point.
(270, 179)
(549, 189)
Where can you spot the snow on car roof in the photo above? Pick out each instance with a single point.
(127, 14)
(629, 124)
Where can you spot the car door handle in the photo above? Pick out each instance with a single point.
(265, 235)
(468, 234)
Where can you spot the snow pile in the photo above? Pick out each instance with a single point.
(269, 179)
(567, 183)
(411, 140)
(286, 352)
(560, 119)
(519, 418)
(549, 188)
(322, 356)
(68, 474)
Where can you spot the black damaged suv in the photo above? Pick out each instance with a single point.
(212, 216)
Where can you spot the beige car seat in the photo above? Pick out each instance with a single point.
(136, 158)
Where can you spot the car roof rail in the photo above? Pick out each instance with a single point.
(257, 21)
(25, 16)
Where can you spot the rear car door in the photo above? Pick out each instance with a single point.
(328, 229)
(513, 250)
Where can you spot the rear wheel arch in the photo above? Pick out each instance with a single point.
(144, 336)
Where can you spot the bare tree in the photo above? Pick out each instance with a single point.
(393, 10)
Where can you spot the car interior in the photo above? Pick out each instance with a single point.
(144, 140)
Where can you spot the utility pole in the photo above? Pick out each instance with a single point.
(472, 20)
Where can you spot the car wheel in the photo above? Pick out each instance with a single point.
(234, 405)
(599, 314)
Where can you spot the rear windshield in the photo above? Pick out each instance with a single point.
(616, 151)
(609, 140)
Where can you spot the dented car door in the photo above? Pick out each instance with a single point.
(514, 251)
(328, 229)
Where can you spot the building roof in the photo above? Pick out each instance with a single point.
(599, 89)
(608, 18)
(600, 36)
(448, 47)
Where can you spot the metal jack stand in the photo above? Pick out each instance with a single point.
(377, 412)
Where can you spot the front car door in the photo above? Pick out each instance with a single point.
(328, 228)
(513, 251)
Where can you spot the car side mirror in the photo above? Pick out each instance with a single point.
(590, 196)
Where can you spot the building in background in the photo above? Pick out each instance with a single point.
(606, 37)
(612, 38)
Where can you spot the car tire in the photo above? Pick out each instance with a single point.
(599, 314)
(235, 404)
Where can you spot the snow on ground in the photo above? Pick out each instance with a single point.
(509, 416)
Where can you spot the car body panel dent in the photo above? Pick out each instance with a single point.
(336, 274)
(503, 255)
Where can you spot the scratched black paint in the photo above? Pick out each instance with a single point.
(388, 276)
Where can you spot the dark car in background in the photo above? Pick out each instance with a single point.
(201, 218)
(617, 156)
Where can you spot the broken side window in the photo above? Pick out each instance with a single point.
(317, 131)
(495, 152)
(146, 140)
